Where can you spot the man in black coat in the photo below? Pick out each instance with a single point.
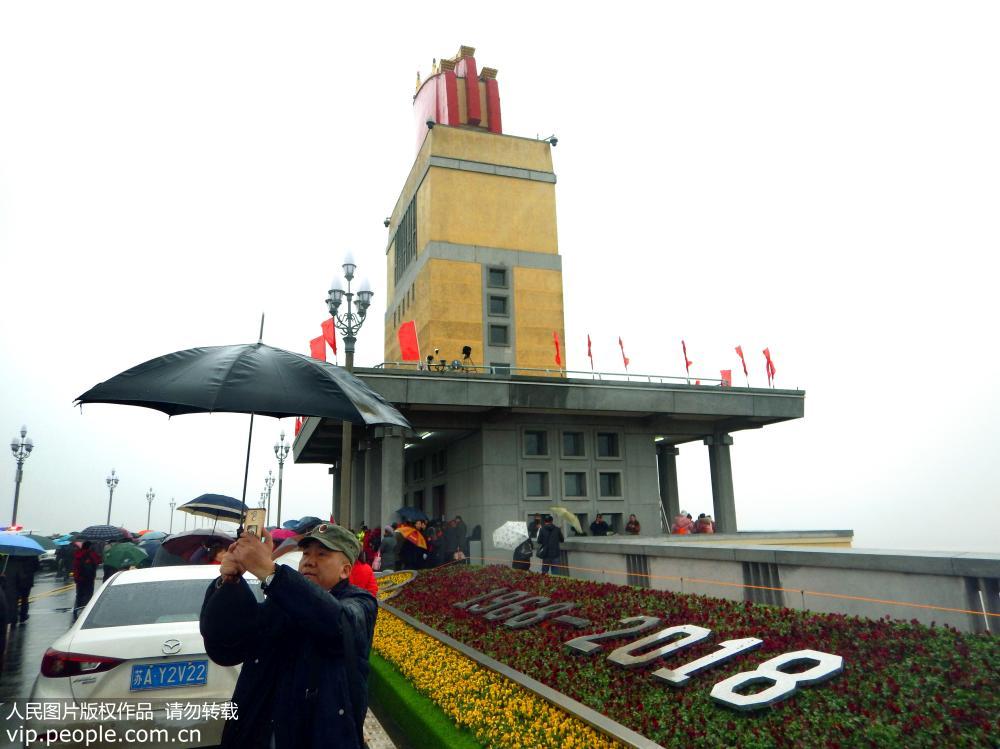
(548, 546)
(304, 650)
(22, 571)
(599, 527)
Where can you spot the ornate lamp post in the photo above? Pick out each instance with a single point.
(112, 482)
(149, 498)
(348, 323)
(280, 452)
(21, 448)
(173, 504)
(269, 482)
(263, 500)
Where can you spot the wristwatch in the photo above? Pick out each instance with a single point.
(266, 582)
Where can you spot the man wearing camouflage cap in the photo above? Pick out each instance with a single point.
(304, 650)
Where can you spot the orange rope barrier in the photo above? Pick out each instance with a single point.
(800, 591)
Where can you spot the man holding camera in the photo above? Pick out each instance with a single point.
(304, 650)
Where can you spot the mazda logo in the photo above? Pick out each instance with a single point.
(171, 647)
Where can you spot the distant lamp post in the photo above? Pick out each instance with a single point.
(173, 504)
(149, 498)
(21, 448)
(112, 482)
(263, 500)
(269, 482)
(349, 323)
(280, 452)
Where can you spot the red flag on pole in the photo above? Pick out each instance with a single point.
(317, 348)
(555, 339)
(739, 352)
(770, 367)
(622, 347)
(409, 350)
(727, 378)
(330, 333)
(687, 362)
(298, 425)
(590, 355)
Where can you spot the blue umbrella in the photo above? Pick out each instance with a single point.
(216, 506)
(153, 536)
(19, 546)
(101, 533)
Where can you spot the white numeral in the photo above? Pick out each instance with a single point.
(783, 684)
(587, 644)
(678, 677)
(692, 634)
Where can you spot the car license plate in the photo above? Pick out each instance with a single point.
(168, 675)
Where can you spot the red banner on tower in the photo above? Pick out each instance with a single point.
(555, 340)
(770, 367)
(590, 355)
(409, 350)
(739, 352)
(317, 348)
(687, 362)
(622, 347)
(330, 333)
(727, 378)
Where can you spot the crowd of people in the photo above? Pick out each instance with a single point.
(684, 524)
(415, 544)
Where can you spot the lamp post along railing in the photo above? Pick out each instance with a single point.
(112, 482)
(149, 511)
(348, 322)
(281, 449)
(269, 482)
(21, 448)
(173, 504)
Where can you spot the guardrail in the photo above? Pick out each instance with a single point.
(458, 367)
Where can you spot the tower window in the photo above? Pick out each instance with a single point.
(496, 278)
(498, 305)
(499, 335)
(406, 239)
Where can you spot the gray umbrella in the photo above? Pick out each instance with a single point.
(251, 378)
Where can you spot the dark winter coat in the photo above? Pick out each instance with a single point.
(549, 538)
(295, 682)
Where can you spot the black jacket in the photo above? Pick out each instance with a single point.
(295, 680)
(549, 538)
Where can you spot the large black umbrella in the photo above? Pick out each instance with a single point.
(215, 506)
(102, 533)
(251, 378)
(412, 514)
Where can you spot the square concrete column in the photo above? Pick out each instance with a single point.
(721, 467)
(391, 474)
(370, 501)
(358, 490)
(666, 468)
(335, 497)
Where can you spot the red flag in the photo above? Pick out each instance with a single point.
(317, 348)
(589, 354)
(622, 347)
(330, 333)
(727, 378)
(687, 362)
(409, 350)
(298, 425)
(555, 339)
(739, 351)
(770, 366)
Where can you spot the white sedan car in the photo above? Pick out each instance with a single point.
(138, 640)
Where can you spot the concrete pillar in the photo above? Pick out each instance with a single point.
(335, 498)
(666, 467)
(391, 470)
(358, 490)
(721, 467)
(370, 501)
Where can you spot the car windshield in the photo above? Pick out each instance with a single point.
(152, 603)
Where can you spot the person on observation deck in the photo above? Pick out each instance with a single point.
(632, 527)
(683, 524)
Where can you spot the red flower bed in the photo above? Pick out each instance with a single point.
(903, 684)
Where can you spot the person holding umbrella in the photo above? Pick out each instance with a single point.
(312, 691)
(85, 563)
(549, 539)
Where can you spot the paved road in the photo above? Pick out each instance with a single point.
(50, 614)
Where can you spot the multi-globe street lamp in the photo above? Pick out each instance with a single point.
(348, 323)
(263, 499)
(280, 452)
(173, 504)
(112, 482)
(149, 498)
(21, 448)
(269, 482)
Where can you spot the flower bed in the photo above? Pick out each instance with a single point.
(903, 684)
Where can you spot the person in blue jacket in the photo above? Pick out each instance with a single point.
(304, 650)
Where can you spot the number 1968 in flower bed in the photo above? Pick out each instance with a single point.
(697, 671)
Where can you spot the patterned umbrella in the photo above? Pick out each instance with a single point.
(412, 535)
(510, 535)
(102, 533)
(568, 516)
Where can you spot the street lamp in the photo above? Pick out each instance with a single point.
(172, 506)
(263, 500)
(112, 482)
(22, 449)
(149, 498)
(269, 482)
(280, 452)
(349, 323)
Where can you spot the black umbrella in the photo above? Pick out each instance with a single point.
(102, 533)
(186, 544)
(412, 514)
(251, 378)
(215, 506)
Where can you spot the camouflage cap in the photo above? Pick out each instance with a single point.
(335, 538)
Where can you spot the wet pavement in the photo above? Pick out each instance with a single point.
(49, 615)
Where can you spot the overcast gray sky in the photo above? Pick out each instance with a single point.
(816, 178)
